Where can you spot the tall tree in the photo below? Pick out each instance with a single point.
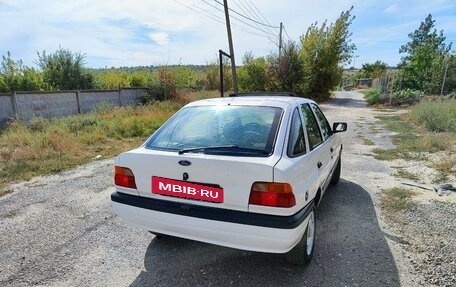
(64, 70)
(424, 57)
(323, 50)
(285, 72)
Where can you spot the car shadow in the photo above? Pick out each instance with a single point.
(351, 250)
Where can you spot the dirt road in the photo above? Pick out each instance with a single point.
(60, 231)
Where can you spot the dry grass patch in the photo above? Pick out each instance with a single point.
(47, 146)
(396, 199)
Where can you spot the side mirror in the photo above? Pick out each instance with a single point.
(339, 127)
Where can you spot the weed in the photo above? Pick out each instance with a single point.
(401, 173)
(396, 199)
(436, 115)
(445, 164)
(373, 96)
(440, 178)
(368, 142)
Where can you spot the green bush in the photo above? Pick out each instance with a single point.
(436, 115)
(373, 96)
(408, 96)
(451, 95)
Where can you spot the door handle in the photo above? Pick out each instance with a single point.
(319, 164)
(331, 149)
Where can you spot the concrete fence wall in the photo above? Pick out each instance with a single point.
(27, 105)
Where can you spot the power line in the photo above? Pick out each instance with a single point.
(243, 16)
(286, 33)
(264, 18)
(218, 19)
(202, 11)
(250, 11)
(239, 4)
(256, 15)
(246, 10)
(248, 24)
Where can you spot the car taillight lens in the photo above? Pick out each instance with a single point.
(124, 177)
(272, 194)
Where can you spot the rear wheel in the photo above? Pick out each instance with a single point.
(302, 253)
(336, 175)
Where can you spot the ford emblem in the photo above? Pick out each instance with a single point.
(184, 162)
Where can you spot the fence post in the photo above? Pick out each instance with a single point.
(78, 101)
(14, 106)
(120, 97)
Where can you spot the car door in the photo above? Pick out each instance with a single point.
(329, 152)
(317, 145)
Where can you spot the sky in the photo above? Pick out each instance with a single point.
(117, 33)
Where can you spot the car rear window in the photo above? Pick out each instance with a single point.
(237, 130)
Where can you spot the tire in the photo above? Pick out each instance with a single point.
(336, 175)
(302, 253)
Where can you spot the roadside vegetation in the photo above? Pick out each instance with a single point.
(47, 146)
(395, 200)
(414, 140)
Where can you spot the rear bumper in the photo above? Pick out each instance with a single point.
(236, 229)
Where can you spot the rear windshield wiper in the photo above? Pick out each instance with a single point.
(224, 148)
(203, 149)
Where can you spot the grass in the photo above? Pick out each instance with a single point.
(445, 164)
(373, 96)
(368, 142)
(401, 173)
(396, 199)
(48, 146)
(440, 178)
(411, 140)
(436, 115)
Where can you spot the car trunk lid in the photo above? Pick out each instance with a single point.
(196, 178)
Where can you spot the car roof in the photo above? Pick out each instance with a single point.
(267, 100)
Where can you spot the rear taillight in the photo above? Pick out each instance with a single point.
(272, 194)
(124, 177)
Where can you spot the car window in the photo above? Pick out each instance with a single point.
(324, 125)
(296, 142)
(313, 131)
(244, 127)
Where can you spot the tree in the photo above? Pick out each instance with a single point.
(424, 57)
(285, 72)
(252, 75)
(323, 50)
(374, 70)
(212, 75)
(14, 76)
(64, 70)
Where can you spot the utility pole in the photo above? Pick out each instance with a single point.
(444, 76)
(230, 42)
(280, 40)
(221, 54)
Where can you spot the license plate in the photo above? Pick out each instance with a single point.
(188, 190)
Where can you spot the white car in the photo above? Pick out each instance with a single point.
(245, 172)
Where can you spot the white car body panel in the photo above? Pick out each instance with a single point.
(240, 236)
